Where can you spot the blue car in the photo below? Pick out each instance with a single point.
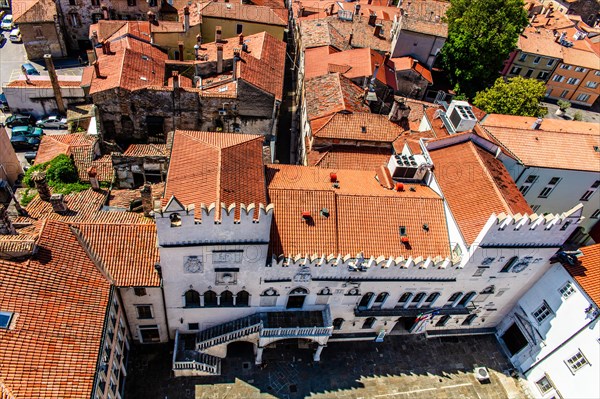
(30, 69)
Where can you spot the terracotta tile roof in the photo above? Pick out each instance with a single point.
(44, 82)
(318, 33)
(256, 44)
(539, 147)
(26, 11)
(587, 273)
(269, 3)
(84, 207)
(59, 300)
(132, 65)
(354, 158)
(405, 63)
(579, 57)
(110, 242)
(426, 17)
(123, 198)
(539, 41)
(363, 215)
(209, 167)
(331, 93)
(412, 139)
(236, 11)
(146, 150)
(114, 29)
(475, 184)
(360, 126)
(167, 27)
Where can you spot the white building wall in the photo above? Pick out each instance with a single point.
(40, 101)
(153, 298)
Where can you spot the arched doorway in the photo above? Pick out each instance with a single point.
(296, 298)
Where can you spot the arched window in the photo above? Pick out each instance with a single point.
(380, 299)
(432, 298)
(364, 301)
(299, 291)
(325, 291)
(488, 290)
(404, 298)
(509, 264)
(242, 299)
(337, 323)
(417, 298)
(269, 292)
(467, 298)
(192, 299)
(353, 291)
(369, 321)
(454, 297)
(226, 298)
(210, 298)
(175, 220)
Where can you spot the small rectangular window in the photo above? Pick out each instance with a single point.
(515, 70)
(531, 179)
(583, 97)
(469, 320)
(549, 187)
(550, 62)
(536, 60)
(567, 290)
(529, 73)
(577, 361)
(523, 57)
(5, 318)
(580, 69)
(591, 84)
(239, 29)
(442, 321)
(535, 208)
(558, 78)
(586, 196)
(139, 291)
(542, 313)
(564, 94)
(596, 214)
(543, 75)
(479, 271)
(193, 326)
(144, 311)
(572, 81)
(565, 66)
(597, 73)
(544, 385)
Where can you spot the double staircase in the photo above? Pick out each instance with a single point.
(190, 357)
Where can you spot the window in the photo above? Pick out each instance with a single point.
(268, 297)
(536, 60)
(144, 311)
(193, 326)
(576, 361)
(596, 214)
(467, 298)
(583, 97)
(242, 299)
(469, 320)
(542, 313)
(544, 385)
(96, 17)
(369, 321)
(380, 299)
(454, 297)
(535, 208)
(239, 28)
(591, 84)
(549, 187)
(72, 3)
(192, 299)
(364, 301)
(597, 73)
(39, 34)
(175, 220)
(210, 298)
(96, 3)
(523, 57)
(529, 73)
(573, 81)
(149, 334)
(565, 66)
(580, 69)
(586, 196)
(558, 78)
(442, 321)
(564, 94)
(139, 291)
(550, 62)
(131, 3)
(432, 298)
(5, 318)
(515, 70)
(226, 298)
(479, 272)
(531, 179)
(404, 298)
(337, 324)
(543, 75)
(508, 265)
(74, 20)
(567, 290)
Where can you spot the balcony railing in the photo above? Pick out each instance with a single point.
(411, 312)
(296, 332)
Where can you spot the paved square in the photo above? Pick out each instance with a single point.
(402, 367)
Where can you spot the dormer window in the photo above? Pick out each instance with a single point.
(175, 220)
(5, 318)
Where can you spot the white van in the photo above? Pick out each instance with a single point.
(15, 35)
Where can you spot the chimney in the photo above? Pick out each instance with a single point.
(219, 58)
(186, 18)
(357, 10)
(300, 12)
(147, 206)
(175, 75)
(386, 57)
(58, 203)
(55, 86)
(151, 17)
(199, 39)
(377, 31)
(375, 71)
(218, 31)
(6, 226)
(93, 176)
(107, 43)
(532, 21)
(39, 179)
(372, 19)
(180, 45)
(549, 11)
(350, 39)
(537, 124)
(331, 9)
(105, 14)
(236, 58)
(333, 177)
(399, 187)
(369, 1)
(97, 69)
(94, 38)
(241, 39)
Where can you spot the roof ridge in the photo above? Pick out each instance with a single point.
(501, 144)
(489, 176)
(94, 257)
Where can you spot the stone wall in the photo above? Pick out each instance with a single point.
(42, 38)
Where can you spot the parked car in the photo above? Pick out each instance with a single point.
(27, 131)
(15, 35)
(22, 143)
(19, 120)
(52, 121)
(30, 156)
(7, 22)
(2, 38)
(30, 69)
(3, 103)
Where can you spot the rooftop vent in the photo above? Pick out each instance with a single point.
(306, 216)
(333, 177)
(336, 185)
(363, 129)
(324, 212)
(402, 231)
(399, 187)
(537, 124)
(425, 227)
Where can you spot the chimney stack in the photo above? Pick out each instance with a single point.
(219, 58)
(151, 17)
(357, 10)
(175, 75)
(331, 8)
(58, 203)
(39, 179)
(236, 58)
(199, 39)
(186, 18)
(180, 45)
(6, 226)
(60, 105)
(300, 12)
(94, 38)
(372, 19)
(241, 39)
(377, 31)
(93, 176)
(218, 31)
(147, 206)
(350, 39)
(537, 124)
(97, 69)
(105, 14)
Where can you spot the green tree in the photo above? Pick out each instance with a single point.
(517, 96)
(481, 35)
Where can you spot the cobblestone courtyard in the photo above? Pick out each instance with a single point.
(401, 367)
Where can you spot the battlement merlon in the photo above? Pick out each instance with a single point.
(234, 224)
(534, 230)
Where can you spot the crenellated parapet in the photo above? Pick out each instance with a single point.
(178, 225)
(543, 230)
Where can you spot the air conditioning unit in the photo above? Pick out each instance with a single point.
(222, 112)
(461, 116)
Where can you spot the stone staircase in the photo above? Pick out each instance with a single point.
(228, 332)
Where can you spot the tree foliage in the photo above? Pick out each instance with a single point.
(481, 35)
(517, 96)
(61, 175)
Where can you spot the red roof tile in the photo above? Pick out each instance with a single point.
(24, 11)
(476, 185)
(146, 150)
(59, 301)
(359, 126)
(236, 11)
(355, 158)
(405, 63)
(331, 93)
(587, 273)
